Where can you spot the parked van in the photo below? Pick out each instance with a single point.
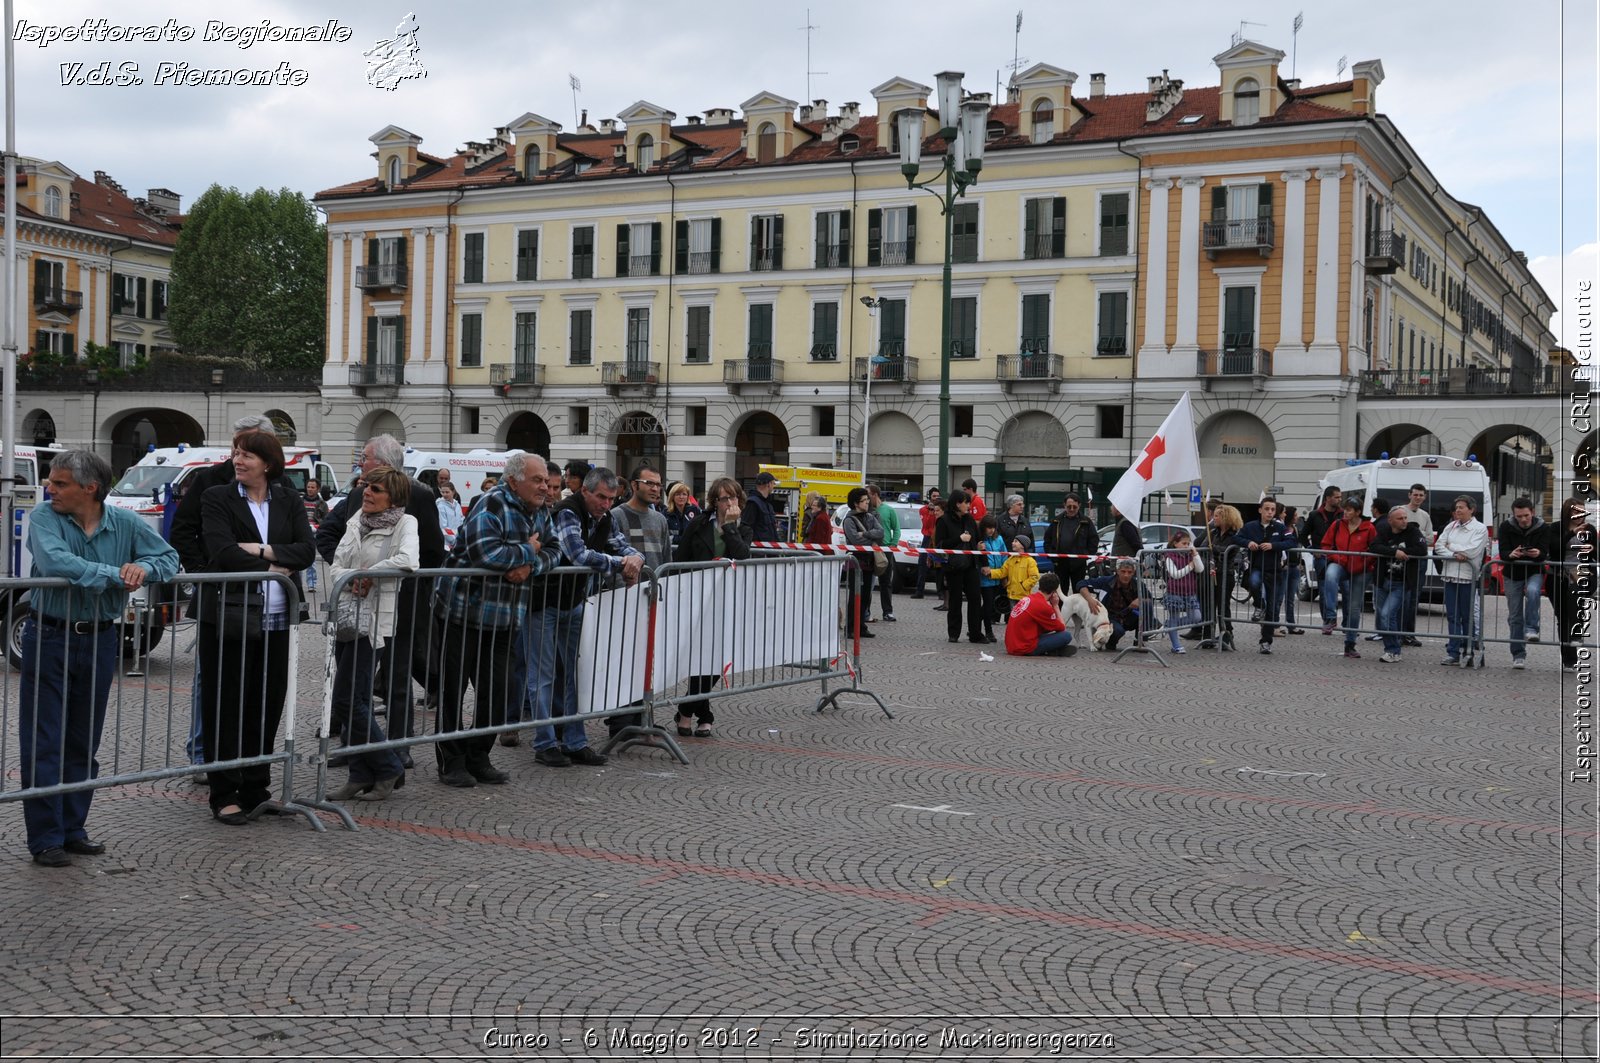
(466, 470)
(144, 487)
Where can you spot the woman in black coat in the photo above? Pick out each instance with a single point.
(713, 533)
(250, 525)
(956, 530)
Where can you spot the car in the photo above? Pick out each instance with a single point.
(910, 517)
(1154, 534)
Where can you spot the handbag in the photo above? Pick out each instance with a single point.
(354, 618)
(880, 563)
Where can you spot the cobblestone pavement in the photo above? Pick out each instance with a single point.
(1245, 857)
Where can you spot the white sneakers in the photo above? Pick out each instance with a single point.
(1390, 658)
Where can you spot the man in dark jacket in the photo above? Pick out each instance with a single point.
(759, 522)
(1072, 533)
(1524, 549)
(716, 532)
(1268, 541)
(1119, 593)
(1127, 540)
(412, 619)
(1317, 523)
(1401, 550)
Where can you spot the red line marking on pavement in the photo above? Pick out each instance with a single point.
(656, 880)
(1368, 807)
(931, 918)
(950, 905)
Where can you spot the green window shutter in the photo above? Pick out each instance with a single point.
(821, 255)
(399, 339)
(41, 341)
(716, 245)
(655, 249)
(527, 255)
(911, 234)
(1264, 201)
(1030, 228)
(623, 250)
(875, 237)
(372, 252)
(372, 340)
(680, 247)
(141, 290)
(1219, 203)
(1036, 323)
(400, 256)
(761, 324)
(777, 242)
(116, 293)
(844, 238)
(1058, 227)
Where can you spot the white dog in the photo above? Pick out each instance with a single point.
(1082, 615)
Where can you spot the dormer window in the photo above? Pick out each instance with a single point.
(1044, 121)
(995, 131)
(52, 201)
(645, 152)
(767, 142)
(394, 171)
(849, 145)
(530, 161)
(1246, 102)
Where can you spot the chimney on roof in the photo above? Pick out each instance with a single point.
(164, 200)
(1292, 84)
(719, 116)
(608, 125)
(1097, 86)
(849, 115)
(1165, 94)
(694, 119)
(619, 153)
(1522, 256)
(819, 110)
(104, 179)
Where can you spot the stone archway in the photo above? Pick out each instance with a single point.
(136, 431)
(381, 422)
(1033, 440)
(760, 439)
(1520, 462)
(1403, 441)
(895, 449)
(39, 428)
(639, 438)
(284, 426)
(527, 432)
(1238, 456)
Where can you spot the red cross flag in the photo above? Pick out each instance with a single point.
(1171, 457)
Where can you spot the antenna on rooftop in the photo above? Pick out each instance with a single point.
(1294, 56)
(1017, 59)
(808, 28)
(1344, 61)
(1239, 34)
(576, 85)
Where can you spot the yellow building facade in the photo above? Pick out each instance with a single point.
(760, 285)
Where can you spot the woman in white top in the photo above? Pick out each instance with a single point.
(450, 515)
(1459, 550)
(383, 535)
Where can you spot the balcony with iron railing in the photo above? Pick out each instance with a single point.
(49, 297)
(699, 262)
(763, 260)
(1386, 250)
(1039, 245)
(757, 369)
(631, 376)
(894, 252)
(1238, 360)
(389, 275)
(1016, 371)
(833, 256)
(375, 375)
(522, 378)
(640, 265)
(888, 368)
(1237, 234)
(1470, 382)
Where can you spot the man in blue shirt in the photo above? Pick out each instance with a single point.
(70, 643)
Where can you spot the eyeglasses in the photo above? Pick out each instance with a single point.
(649, 483)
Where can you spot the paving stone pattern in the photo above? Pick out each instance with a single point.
(1240, 856)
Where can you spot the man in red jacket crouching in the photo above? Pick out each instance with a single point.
(1037, 628)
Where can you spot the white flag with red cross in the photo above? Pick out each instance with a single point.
(1171, 457)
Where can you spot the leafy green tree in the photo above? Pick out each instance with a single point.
(249, 279)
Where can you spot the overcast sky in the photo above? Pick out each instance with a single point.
(1499, 98)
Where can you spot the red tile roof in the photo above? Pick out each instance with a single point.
(702, 147)
(102, 209)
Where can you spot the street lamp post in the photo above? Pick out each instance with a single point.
(963, 126)
(866, 401)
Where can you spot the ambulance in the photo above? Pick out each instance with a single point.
(467, 471)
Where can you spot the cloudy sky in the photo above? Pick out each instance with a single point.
(1499, 98)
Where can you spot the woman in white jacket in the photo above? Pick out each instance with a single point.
(382, 536)
(1459, 550)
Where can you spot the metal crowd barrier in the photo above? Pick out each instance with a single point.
(150, 701)
(728, 627)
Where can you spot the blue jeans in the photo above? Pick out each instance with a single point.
(1291, 589)
(195, 747)
(1266, 587)
(1522, 609)
(1183, 610)
(352, 703)
(1119, 628)
(1458, 615)
(551, 645)
(1353, 585)
(1389, 600)
(1319, 574)
(61, 710)
(1052, 641)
